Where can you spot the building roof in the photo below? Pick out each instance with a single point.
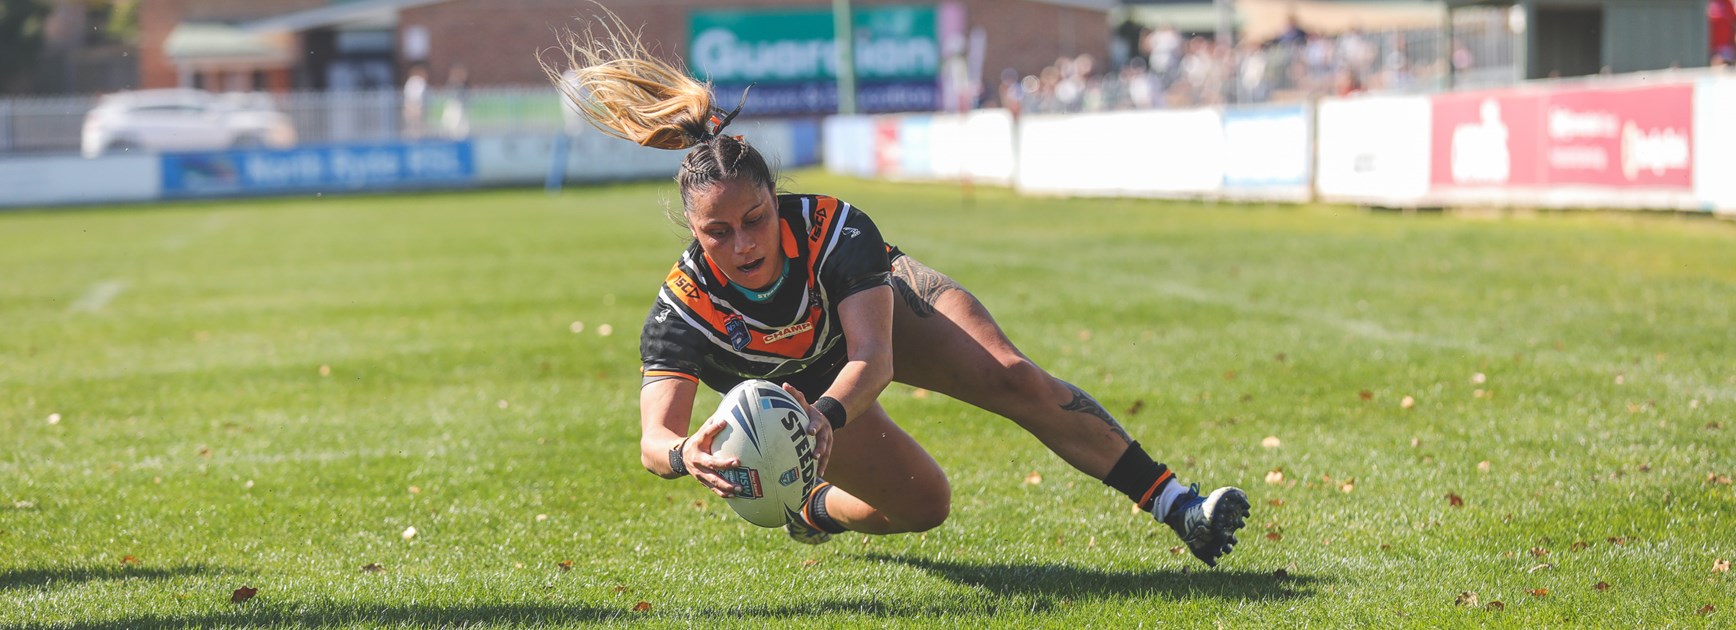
(359, 13)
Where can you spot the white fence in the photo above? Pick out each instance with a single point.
(1661, 140)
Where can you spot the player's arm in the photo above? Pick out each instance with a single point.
(665, 409)
(867, 320)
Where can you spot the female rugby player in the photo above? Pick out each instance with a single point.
(801, 289)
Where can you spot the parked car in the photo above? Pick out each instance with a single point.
(184, 120)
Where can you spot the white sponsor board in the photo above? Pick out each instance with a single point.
(1268, 153)
(75, 180)
(1373, 150)
(1137, 154)
(1715, 139)
(847, 145)
(987, 147)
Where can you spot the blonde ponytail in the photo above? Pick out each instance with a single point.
(624, 91)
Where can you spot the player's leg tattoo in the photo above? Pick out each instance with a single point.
(920, 285)
(1084, 403)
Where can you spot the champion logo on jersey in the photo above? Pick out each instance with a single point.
(737, 329)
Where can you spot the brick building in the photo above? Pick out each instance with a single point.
(341, 44)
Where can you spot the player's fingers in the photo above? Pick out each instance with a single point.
(710, 479)
(716, 462)
(796, 393)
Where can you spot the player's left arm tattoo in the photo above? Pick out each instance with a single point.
(1084, 403)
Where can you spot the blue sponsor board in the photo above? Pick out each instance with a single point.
(822, 97)
(334, 168)
(1268, 147)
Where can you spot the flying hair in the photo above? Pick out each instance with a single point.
(624, 91)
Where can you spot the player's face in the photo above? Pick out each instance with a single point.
(736, 223)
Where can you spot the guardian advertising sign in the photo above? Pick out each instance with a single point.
(790, 57)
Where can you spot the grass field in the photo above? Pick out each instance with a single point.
(207, 396)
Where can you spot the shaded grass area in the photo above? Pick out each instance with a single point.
(271, 393)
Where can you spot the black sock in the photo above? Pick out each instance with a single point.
(1136, 476)
(816, 511)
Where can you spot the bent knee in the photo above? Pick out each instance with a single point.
(929, 515)
(1018, 377)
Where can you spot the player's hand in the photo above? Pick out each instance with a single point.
(704, 466)
(818, 428)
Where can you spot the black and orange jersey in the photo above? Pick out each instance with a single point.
(702, 329)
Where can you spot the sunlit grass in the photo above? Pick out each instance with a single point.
(202, 397)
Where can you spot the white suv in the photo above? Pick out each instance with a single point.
(184, 120)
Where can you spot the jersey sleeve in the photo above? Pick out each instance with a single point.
(668, 345)
(858, 260)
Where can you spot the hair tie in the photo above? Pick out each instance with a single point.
(728, 116)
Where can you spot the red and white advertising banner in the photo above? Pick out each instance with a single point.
(1599, 147)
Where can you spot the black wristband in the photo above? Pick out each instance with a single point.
(676, 463)
(833, 410)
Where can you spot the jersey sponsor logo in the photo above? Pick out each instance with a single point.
(686, 287)
(788, 331)
(662, 314)
(852, 232)
(819, 228)
(737, 329)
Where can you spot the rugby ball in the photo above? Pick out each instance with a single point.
(766, 430)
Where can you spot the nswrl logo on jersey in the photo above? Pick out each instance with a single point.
(737, 329)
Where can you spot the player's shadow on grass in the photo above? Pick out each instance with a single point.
(1071, 582)
(13, 579)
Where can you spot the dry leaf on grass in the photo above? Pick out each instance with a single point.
(1365, 395)
(1578, 546)
(1349, 485)
(1601, 586)
(1538, 592)
(243, 594)
(1275, 476)
(1466, 598)
(565, 565)
(1707, 610)
(1496, 605)
(1455, 500)
(409, 532)
(1274, 536)
(810, 562)
(1136, 407)
(1718, 566)
(133, 560)
(1483, 466)
(1539, 552)
(1617, 540)
(1034, 478)
(373, 567)
(1276, 503)
(1407, 402)
(1271, 441)
(642, 607)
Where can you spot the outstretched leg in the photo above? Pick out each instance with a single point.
(945, 340)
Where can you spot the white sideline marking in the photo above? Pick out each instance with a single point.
(97, 297)
(177, 242)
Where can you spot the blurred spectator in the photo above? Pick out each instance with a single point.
(1163, 51)
(455, 120)
(415, 101)
(1721, 18)
(1293, 34)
